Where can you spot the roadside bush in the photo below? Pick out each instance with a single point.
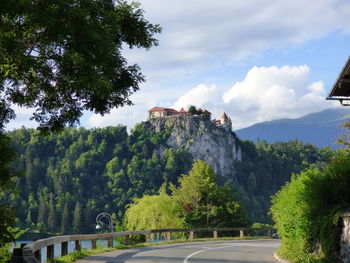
(5, 254)
(307, 211)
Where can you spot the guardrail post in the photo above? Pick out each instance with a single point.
(77, 245)
(148, 238)
(50, 252)
(127, 240)
(93, 244)
(191, 235)
(241, 233)
(64, 248)
(37, 255)
(110, 242)
(49, 243)
(17, 256)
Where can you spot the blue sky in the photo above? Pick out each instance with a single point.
(257, 60)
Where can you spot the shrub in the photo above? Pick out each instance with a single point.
(307, 211)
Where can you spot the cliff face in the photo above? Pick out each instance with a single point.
(203, 139)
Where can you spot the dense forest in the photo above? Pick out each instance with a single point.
(266, 167)
(71, 176)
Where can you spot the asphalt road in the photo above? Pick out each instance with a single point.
(246, 251)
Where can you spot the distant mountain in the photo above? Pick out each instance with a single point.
(320, 128)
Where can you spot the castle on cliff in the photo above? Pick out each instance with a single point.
(159, 112)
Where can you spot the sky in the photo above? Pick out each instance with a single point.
(256, 60)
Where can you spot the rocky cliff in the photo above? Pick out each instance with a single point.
(203, 139)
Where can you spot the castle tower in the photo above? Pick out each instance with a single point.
(223, 118)
(225, 121)
(183, 112)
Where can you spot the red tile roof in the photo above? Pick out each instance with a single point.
(162, 109)
(206, 111)
(182, 110)
(223, 115)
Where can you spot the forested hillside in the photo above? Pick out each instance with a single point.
(70, 177)
(266, 167)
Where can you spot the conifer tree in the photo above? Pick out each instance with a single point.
(65, 220)
(204, 203)
(51, 221)
(42, 216)
(77, 222)
(29, 220)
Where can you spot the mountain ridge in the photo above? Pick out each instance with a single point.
(325, 122)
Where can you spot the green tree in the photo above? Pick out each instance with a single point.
(206, 116)
(29, 220)
(153, 212)
(204, 203)
(42, 214)
(7, 219)
(5, 255)
(77, 220)
(65, 220)
(192, 110)
(64, 57)
(251, 183)
(7, 180)
(51, 220)
(307, 211)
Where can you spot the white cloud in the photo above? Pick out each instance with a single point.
(270, 93)
(127, 115)
(265, 94)
(130, 115)
(199, 34)
(202, 37)
(200, 96)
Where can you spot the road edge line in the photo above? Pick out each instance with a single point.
(279, 259)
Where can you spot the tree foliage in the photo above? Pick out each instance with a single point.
(61, 58)
(64, 57)
(105, 169)
(102, 169)
(307, 211)
(5, 255)
(266, 167)
(197, 202)
(153, 212)
(194, 111)
(7, 181)
(204, 203)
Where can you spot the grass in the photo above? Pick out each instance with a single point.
(87, 253)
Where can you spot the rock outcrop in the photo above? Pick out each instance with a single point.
(203, 139)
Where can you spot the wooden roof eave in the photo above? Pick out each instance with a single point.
(341, 87)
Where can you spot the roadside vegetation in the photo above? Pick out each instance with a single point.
(307, 211)
(70, 175)
(197, 202)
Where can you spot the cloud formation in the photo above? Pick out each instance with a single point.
(201, 34)
(201, 96)
(266, 93)
(204, 41)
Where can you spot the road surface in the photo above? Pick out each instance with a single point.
(246, 251)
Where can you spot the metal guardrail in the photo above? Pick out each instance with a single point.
(30, 253)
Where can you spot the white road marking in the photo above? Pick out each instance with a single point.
(195, 247)
(200, 251)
